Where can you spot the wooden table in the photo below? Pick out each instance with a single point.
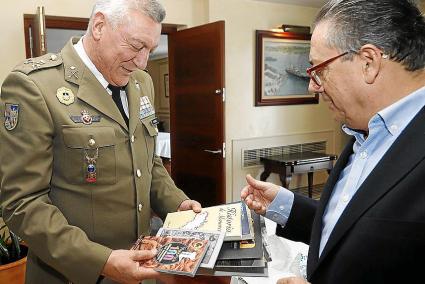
(297, 163)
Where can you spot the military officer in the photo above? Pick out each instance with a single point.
(79, 176)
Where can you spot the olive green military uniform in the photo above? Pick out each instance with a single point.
(58, 120)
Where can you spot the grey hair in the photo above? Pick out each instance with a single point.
(117, 10)
(395, 26)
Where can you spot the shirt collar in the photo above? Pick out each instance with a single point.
(79, 48)
(396, 116)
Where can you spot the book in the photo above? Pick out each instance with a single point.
(215, 239)
(175, 255)
(247, 248)
(226, 218)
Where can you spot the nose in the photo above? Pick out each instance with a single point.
(141, 59)
(314, 88)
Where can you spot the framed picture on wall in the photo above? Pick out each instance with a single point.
(166, 86)
(280, 72)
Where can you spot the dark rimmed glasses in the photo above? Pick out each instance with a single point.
(315, 71)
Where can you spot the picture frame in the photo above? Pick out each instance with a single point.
(166, 86)
(280, 71)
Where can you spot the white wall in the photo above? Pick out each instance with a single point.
(242, 18)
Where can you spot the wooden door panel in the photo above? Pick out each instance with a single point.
(196, 68)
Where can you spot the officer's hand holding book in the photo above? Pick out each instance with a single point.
(123, 266)
(190, 204)
(259, 194)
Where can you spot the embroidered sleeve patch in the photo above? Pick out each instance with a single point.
(11, 115)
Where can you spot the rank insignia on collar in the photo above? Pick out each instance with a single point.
(11, 115)
(85, 118)
(146, 108)
(65, 96)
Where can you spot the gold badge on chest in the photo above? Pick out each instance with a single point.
(65, 96)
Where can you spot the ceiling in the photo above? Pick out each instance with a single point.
(309, 3)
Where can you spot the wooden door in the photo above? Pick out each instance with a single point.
(196, 74)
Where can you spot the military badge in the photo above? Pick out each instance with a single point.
(65, 96)
(146, 108)
(91, 176)
(85, 118)
(11, 115)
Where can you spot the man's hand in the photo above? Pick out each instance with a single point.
(123, 266)
(258, 194)
(190, 205)
(292, 280)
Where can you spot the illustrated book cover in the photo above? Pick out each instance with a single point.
(175, 255)
(215, 239)
(229, 218)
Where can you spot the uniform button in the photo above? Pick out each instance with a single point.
(132, 138)
(138, 173)
(92, 142)
(394, 127)
(281, 207)
(363, 155)
(345, 198)
(140, 207)
(275, 216)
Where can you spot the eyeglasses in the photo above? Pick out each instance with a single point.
(315, 71)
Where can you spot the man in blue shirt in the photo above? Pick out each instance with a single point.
(368, 60)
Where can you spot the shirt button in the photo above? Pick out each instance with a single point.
(92, 142)
(363, 155)
(140, 207)
(394, 127)
(132, 138)
(275, 216)
(345, 198)
(281, 207)
(138, 173)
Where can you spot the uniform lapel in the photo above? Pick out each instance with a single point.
(90, 90)
(133, 91)
(316, 233)
(406, 152)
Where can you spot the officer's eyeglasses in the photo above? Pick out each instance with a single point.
(315, 71)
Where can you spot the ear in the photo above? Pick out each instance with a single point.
(371, 58)
(98, 26)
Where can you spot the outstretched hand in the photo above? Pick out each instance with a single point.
(259, 194)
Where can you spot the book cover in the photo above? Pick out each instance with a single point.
(175, 255)
(224, 218)
(215, 242)
(246, 248)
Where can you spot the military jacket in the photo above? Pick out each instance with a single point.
(76, 182)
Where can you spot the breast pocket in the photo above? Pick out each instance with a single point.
(150, 133)
(89, 155)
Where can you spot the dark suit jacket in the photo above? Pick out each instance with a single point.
(380, 237)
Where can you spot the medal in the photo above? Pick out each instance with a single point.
(91, 166)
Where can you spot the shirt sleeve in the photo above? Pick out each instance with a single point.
(280, 208)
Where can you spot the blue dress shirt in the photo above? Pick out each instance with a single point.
(384, 129)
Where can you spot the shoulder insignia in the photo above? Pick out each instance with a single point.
(39, 63)
(11, 115)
